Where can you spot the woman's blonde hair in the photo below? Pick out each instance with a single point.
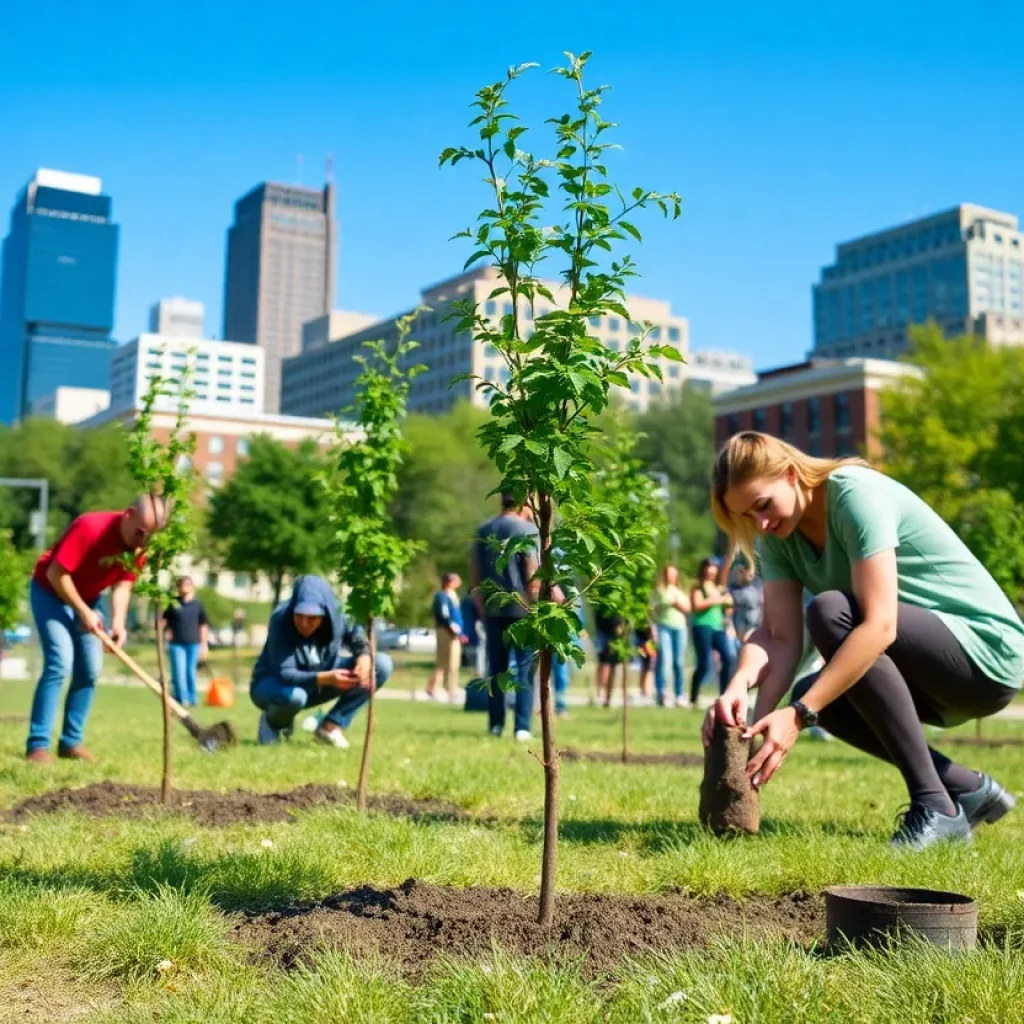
(748, 456)
(663, 575)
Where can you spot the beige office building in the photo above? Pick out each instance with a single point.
(321, 380)
(280, 272)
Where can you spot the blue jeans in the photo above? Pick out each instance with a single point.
(66, 650)
(671, 650)
(560, 681)
(497, 662)
(184, 661)
(282, 702)
(705, 640)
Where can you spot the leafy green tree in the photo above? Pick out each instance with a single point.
(947, 433)
(628, 568)
(13, 583)
(443, 484)
(86, 470)
(370, 554)
(540, 432)
(271, 516)
(163, 470)
(677, 439)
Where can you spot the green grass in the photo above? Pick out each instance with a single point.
(132, 911)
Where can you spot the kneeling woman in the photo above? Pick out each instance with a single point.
(912, 627)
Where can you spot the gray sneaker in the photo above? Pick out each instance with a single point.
(988, 803)
(921, 827)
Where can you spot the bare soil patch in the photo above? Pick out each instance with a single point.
(606, 757)
(232, 807)
(415, 922)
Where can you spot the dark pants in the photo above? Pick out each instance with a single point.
(283, 702)
(924, 677)
(498, 650)
(705, 640)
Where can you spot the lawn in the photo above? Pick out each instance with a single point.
(127, 918)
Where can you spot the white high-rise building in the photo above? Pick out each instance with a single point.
(227, 377)
(179, 318)
(963, 268)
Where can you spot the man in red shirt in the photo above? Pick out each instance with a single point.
(65, 590)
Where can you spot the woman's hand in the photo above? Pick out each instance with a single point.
(730, 709)
(780, 730)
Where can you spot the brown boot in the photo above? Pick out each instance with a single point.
(77, 753)
(39, 756)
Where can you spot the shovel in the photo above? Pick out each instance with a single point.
(220, 735)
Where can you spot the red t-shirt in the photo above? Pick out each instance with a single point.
(90, 550)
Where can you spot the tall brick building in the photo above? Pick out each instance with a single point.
(826, 407)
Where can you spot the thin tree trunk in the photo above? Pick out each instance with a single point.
(165, 698)
(625, 712)
(364, 765)
(278, 581)
(549, 858)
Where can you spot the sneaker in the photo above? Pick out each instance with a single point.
(921, 827)
(682, 702)
(523, 736)
(266, 734)
(40, 755)
(75, 753)
(331, 735)
(988, 803)
(495, 730)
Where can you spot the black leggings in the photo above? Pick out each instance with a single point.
(924, 676)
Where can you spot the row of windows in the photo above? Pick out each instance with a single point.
(812, 417)
(614, 324)
(873, 254)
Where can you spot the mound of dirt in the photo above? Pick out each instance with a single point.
(415, 922)
(605, 757)
(207, 807)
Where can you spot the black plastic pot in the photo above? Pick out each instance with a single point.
(871, 915)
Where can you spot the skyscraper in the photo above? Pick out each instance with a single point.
(57, 290)
(179, 318)
(280, 271)
(963, 268)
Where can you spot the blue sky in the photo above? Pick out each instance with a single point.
(786, 127)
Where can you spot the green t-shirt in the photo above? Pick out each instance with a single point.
(867, 512)
(665, 611)
(713, 616)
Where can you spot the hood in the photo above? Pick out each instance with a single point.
(316, 590)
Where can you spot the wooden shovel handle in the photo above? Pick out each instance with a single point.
(141, 674)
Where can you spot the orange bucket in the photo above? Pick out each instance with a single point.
(221, 693)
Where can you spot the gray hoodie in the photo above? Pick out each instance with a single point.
(294, 659)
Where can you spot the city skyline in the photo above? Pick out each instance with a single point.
(785, 136)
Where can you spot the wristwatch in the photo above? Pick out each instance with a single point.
(807, 718)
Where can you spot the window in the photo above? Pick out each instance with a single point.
(656, 334)
(211, 580)
(215, 472)
(813, 416)
(841, 411)
(673, 371)
(786, 426)
(241, 580)
(184, 463)
(490, 307)
(760, 420)
(654, 388)
(215, 444)
(733, 423)
(634, 386)
(242, 447)
(507, 309)
(595, 321)
(634, 330)
(673, 334)
(613, 324)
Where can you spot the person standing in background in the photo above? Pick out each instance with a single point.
(671, 606)
(516, 577)
(188, 641)
(747, 602)
(707, 624)
(448, 628)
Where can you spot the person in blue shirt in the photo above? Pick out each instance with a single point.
(302, 665)
(451, 636)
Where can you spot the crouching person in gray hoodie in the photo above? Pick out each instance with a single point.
(302, 665)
